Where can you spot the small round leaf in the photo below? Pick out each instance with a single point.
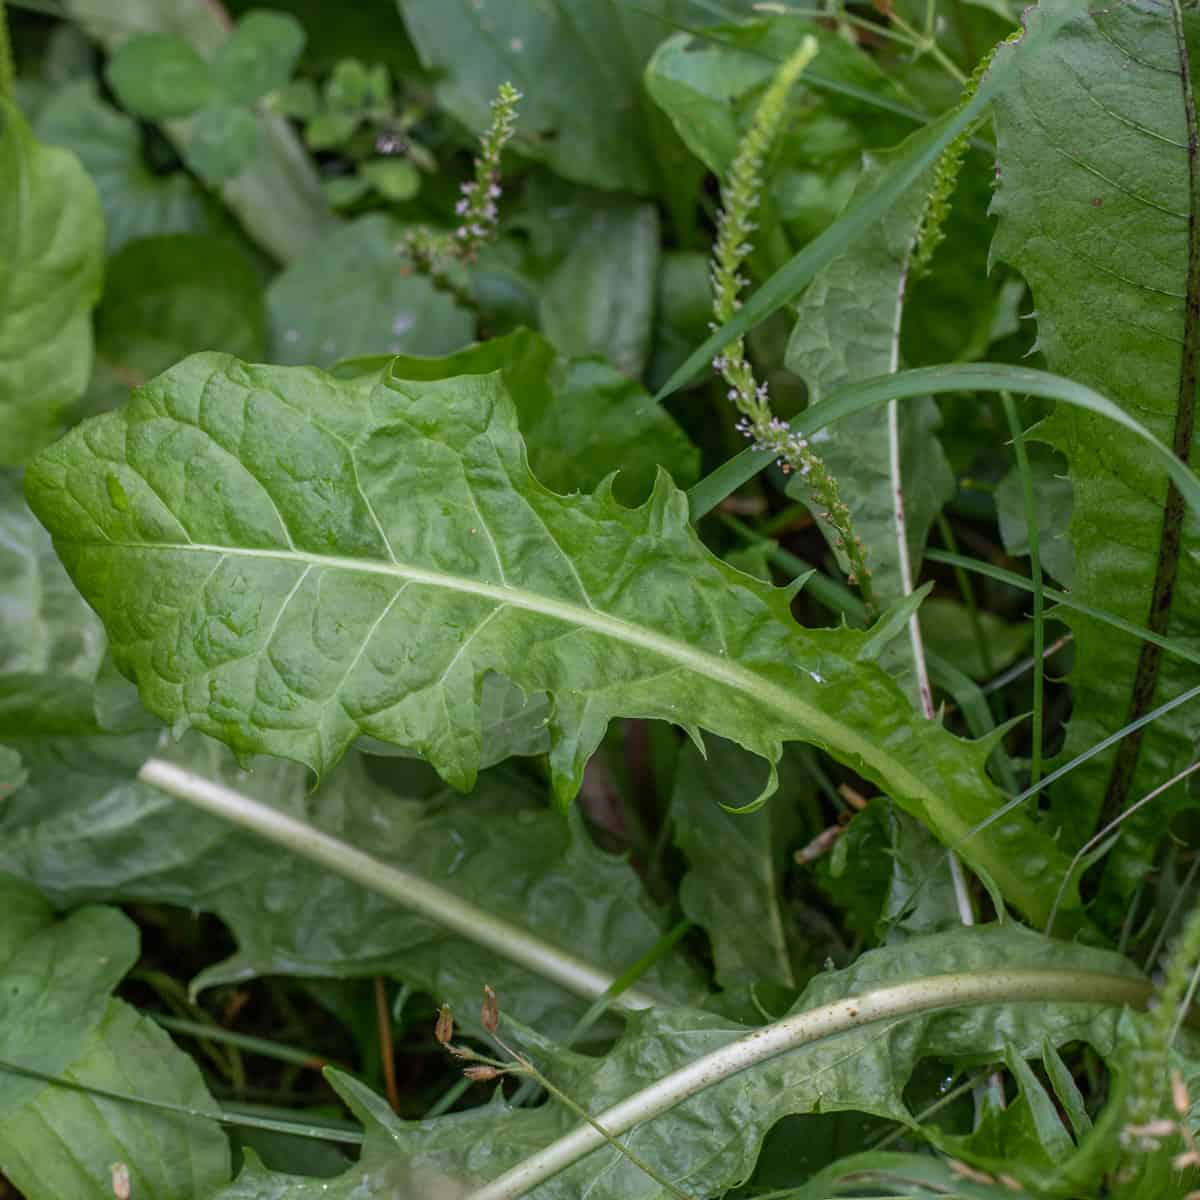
(223, 141)
(259, 57)
(157, 75)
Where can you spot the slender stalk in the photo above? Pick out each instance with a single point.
(1111, 827)
(1026, 664)
(243, 1041)
(1173, 646)
(230, 1116)
(962, 895)
(967, 591)
(387, 1052)
(932, 994)
(451, 912)
(7, 73)
(1039, 600)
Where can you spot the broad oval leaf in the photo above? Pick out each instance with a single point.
(286, 561)
(52, 248)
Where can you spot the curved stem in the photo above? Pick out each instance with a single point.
(448, 910)
(889, 1003)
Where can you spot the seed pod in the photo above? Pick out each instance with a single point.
(480, 1074)
(490, 1012)
(444, 1029)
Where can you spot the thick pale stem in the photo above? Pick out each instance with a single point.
(829, 1020)
(446, 909)
(962, 895)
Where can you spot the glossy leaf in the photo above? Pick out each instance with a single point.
(600, 299)
(84, 829)
(354, 292)
(710, 1142)
(57, 1017)
(288, 561)
(581, 419)
(52, 248)
(54, 677)
(1116, 309)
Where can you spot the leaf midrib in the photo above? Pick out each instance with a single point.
(835, 733)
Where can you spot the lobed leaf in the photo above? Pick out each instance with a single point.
(288, 561)
(709, 1142)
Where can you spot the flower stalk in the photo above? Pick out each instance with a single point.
(436, 255)
(741, 195)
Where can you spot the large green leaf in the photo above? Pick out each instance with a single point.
(600, 298)
(52, 248)
(710, 1142)
(84, 829)
(354, 292)
(287, 560)
(1094, 203)
(137, 201)
(578, 64)
(581, 419)
(57, 1018)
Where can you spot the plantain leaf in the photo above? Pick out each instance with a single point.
(84, 829)
(1116, 296)
(710, 1142)
(57, 1018)
(287, 560)
(52, 248)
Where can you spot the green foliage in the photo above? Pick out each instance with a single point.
(1111, 294)
(51, 242)
(83, 829)
(137, 201)
(367, 473)
(568, 61)
(288, 579)
(355, 292)
(58, 1019)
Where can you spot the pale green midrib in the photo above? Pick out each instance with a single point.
(833, 732)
